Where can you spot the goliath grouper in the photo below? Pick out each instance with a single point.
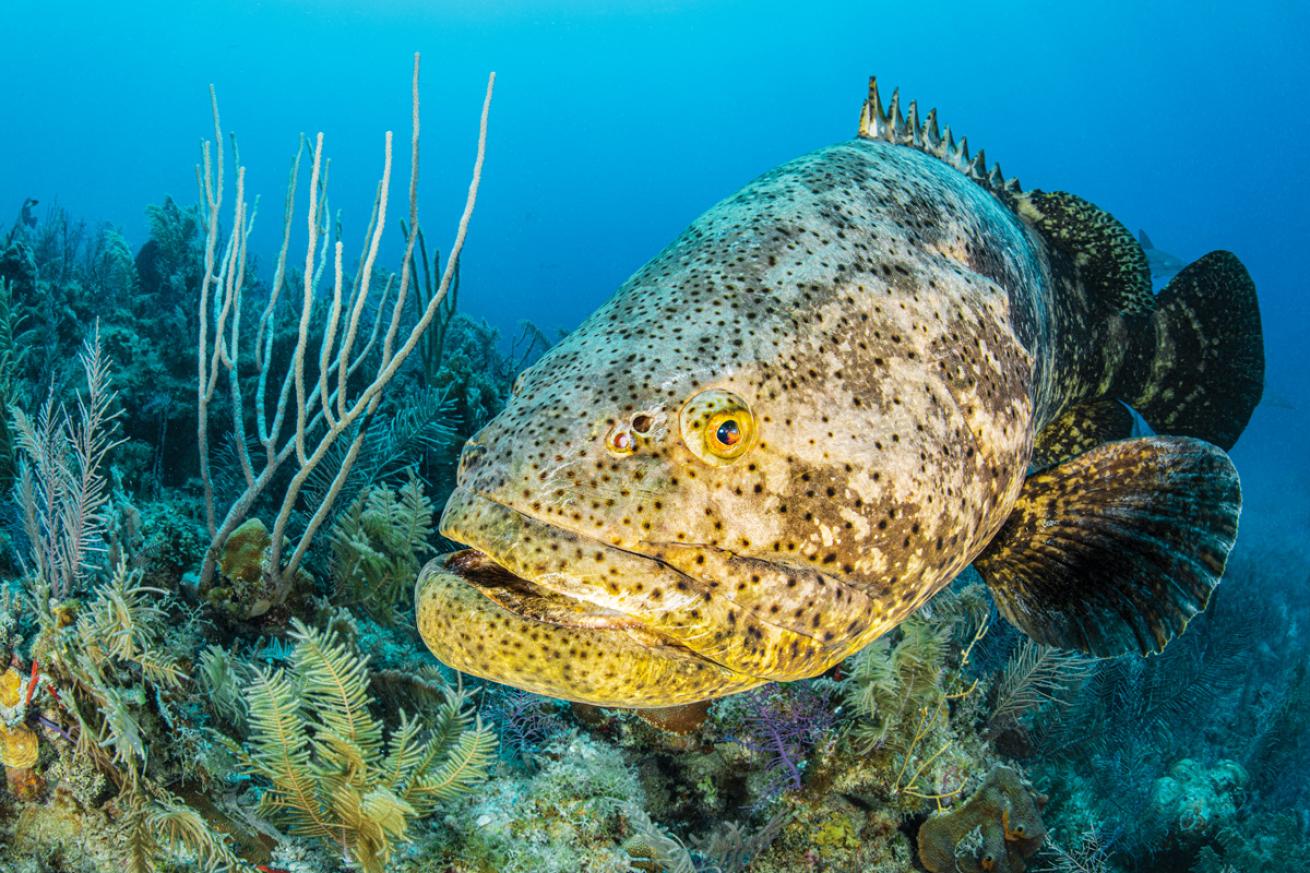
(867, 369)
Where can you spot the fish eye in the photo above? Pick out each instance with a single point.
(717, 426)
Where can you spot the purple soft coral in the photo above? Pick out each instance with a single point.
(783, 724)
(527, 722)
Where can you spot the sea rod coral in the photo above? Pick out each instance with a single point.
(303, 410)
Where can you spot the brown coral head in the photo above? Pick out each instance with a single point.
(24, 783)
(243, 552)
(994, 831)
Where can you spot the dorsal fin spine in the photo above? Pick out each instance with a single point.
(870, 111)
(931, 133)
(887, 123)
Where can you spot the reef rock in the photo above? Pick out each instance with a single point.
(1198, 798)
(995, 830)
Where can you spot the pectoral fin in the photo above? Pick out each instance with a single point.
(1116, 549)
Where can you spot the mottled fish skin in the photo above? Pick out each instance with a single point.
(897, 335)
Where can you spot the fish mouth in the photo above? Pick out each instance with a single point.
(530, 601)
(501, 611)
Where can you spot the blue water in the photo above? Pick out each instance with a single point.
(615, 124)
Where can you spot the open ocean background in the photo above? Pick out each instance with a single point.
(616, 123)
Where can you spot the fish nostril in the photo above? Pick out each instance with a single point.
(620, 441)
(642, 423)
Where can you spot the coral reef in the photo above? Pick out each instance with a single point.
(243, 592)
(573, 813)
(177, 726)
(914, 705)
(1194, 798)
(1281, 843)
(782, 726)
(378, 544)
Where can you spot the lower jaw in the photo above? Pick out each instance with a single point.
(475, 618)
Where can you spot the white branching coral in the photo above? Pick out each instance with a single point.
(324, 399)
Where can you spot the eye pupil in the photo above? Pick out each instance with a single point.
(729, 433)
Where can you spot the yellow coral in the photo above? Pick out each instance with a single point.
(242, 563)
(242, 559)
(247, 589)
(17, 747)
(11, 685)
(839, 832)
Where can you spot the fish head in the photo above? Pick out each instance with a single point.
(651, 530)
(716, 481)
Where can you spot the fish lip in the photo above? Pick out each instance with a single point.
(480, 572)
(528, 600)
(479, 553)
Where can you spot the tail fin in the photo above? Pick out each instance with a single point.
(1198, 369)
(1143, 240)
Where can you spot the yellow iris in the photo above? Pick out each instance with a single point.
(717, 426)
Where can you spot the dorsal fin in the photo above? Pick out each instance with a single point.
(1108, 259)
(889, 125)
